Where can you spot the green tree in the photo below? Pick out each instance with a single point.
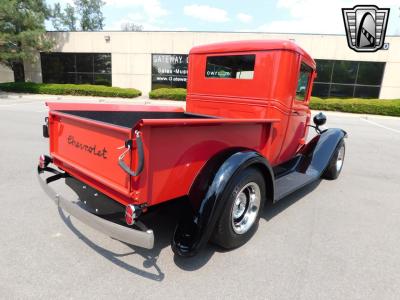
(85, 15)
(64, 20)
(129, 26)
(90, 12)
(22, 33)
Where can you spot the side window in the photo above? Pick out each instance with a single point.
(231, 66)
(302, 84)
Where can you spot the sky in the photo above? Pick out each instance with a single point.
(289, 16)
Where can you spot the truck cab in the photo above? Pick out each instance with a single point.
(265, 79)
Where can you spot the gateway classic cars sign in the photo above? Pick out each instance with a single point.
(169, 70)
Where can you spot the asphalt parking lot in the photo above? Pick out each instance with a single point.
(333, 240)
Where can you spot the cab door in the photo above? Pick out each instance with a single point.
(299, 114)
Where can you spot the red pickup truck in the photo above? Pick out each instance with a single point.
(240, 142)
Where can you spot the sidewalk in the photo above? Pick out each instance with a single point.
(24, 98)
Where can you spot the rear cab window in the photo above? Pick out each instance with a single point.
(231, 66)
(303, 82)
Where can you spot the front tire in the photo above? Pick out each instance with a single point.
(241, 213)
(336, 164)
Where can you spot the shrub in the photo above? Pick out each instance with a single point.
(69, 89)
(359, 106)
(168, 93)
(352, 105)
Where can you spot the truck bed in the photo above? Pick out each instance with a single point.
(87, 140)
(130, 118)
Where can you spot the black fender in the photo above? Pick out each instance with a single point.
(207, 197)
(319, 151)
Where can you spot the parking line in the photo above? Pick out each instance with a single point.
(8, 105)
(380, 125)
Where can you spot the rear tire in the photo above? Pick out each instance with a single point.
(336, 164)
(241, 213)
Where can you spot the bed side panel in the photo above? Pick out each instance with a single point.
(174, 155)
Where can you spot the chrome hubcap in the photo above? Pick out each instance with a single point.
(340, 158)
(245, 208)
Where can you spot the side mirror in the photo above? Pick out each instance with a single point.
(319, 119)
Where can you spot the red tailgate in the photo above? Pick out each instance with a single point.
(89, 150)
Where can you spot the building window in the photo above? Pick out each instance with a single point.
(346, 79)
(231, 66)
(169, 70)
(78, 68)
(302, 84)
(344, 72)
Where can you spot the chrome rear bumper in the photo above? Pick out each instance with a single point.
(144, 239)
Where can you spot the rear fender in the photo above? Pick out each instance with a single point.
(207, 197)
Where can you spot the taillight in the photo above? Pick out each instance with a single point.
(131, 214)
(44, 161)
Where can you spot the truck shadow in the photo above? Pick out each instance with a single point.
(270, 211)
(150, 268)
(163, 224)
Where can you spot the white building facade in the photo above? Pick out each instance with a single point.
(148, 60)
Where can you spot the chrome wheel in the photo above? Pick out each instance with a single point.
(340, 159)
(245, 208)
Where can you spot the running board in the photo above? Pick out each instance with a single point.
(308, 165)
(292, 182)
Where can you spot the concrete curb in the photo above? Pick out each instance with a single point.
(353, 115)
(144, 100)
(45, 97)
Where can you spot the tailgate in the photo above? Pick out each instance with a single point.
(90, 149)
